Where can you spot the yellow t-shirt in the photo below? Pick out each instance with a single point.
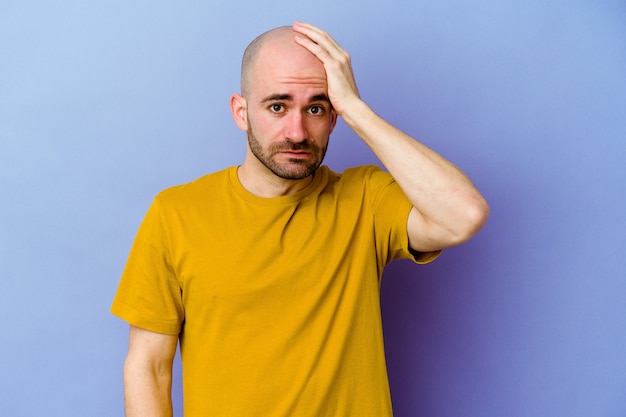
(276, 300)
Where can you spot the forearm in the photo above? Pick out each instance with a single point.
(147, 390)
(442, 194)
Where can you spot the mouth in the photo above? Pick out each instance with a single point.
(296, 155)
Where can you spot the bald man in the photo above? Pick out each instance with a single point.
(268, 273)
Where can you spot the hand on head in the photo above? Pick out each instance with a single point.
(342, 89)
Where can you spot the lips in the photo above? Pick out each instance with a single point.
(297, 150)
(296, 154)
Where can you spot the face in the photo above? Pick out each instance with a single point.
(290, 161)
(288, 116)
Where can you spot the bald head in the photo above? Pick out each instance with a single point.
(283, 35)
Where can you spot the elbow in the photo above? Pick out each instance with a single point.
(461, 221)
(470, 221)
(476, 216)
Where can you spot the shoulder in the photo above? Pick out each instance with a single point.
(198, 185)
(204, 188)
(362, 176)
(365, 184)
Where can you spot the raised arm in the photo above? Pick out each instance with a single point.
(148, 374)
(447, 208)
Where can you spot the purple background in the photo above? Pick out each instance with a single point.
(104, 103)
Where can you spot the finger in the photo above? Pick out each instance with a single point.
(317, 35)
(308, 29)
(315, 48)
(320, 37)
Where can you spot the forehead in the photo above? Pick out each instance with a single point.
(283, 66)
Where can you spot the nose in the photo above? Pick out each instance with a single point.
(295, 127)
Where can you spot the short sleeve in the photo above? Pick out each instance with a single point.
(391, 215)
(149, 294)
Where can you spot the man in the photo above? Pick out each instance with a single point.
(268, 273)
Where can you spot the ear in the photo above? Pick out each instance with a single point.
(239, 111)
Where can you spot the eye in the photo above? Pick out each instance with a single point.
(277, 108)
(316, 110)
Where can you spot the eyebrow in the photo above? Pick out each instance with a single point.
(289, 97)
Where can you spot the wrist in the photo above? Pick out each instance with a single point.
(355, 113)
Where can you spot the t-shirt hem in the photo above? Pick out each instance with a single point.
(422, 258)
(132, 317)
